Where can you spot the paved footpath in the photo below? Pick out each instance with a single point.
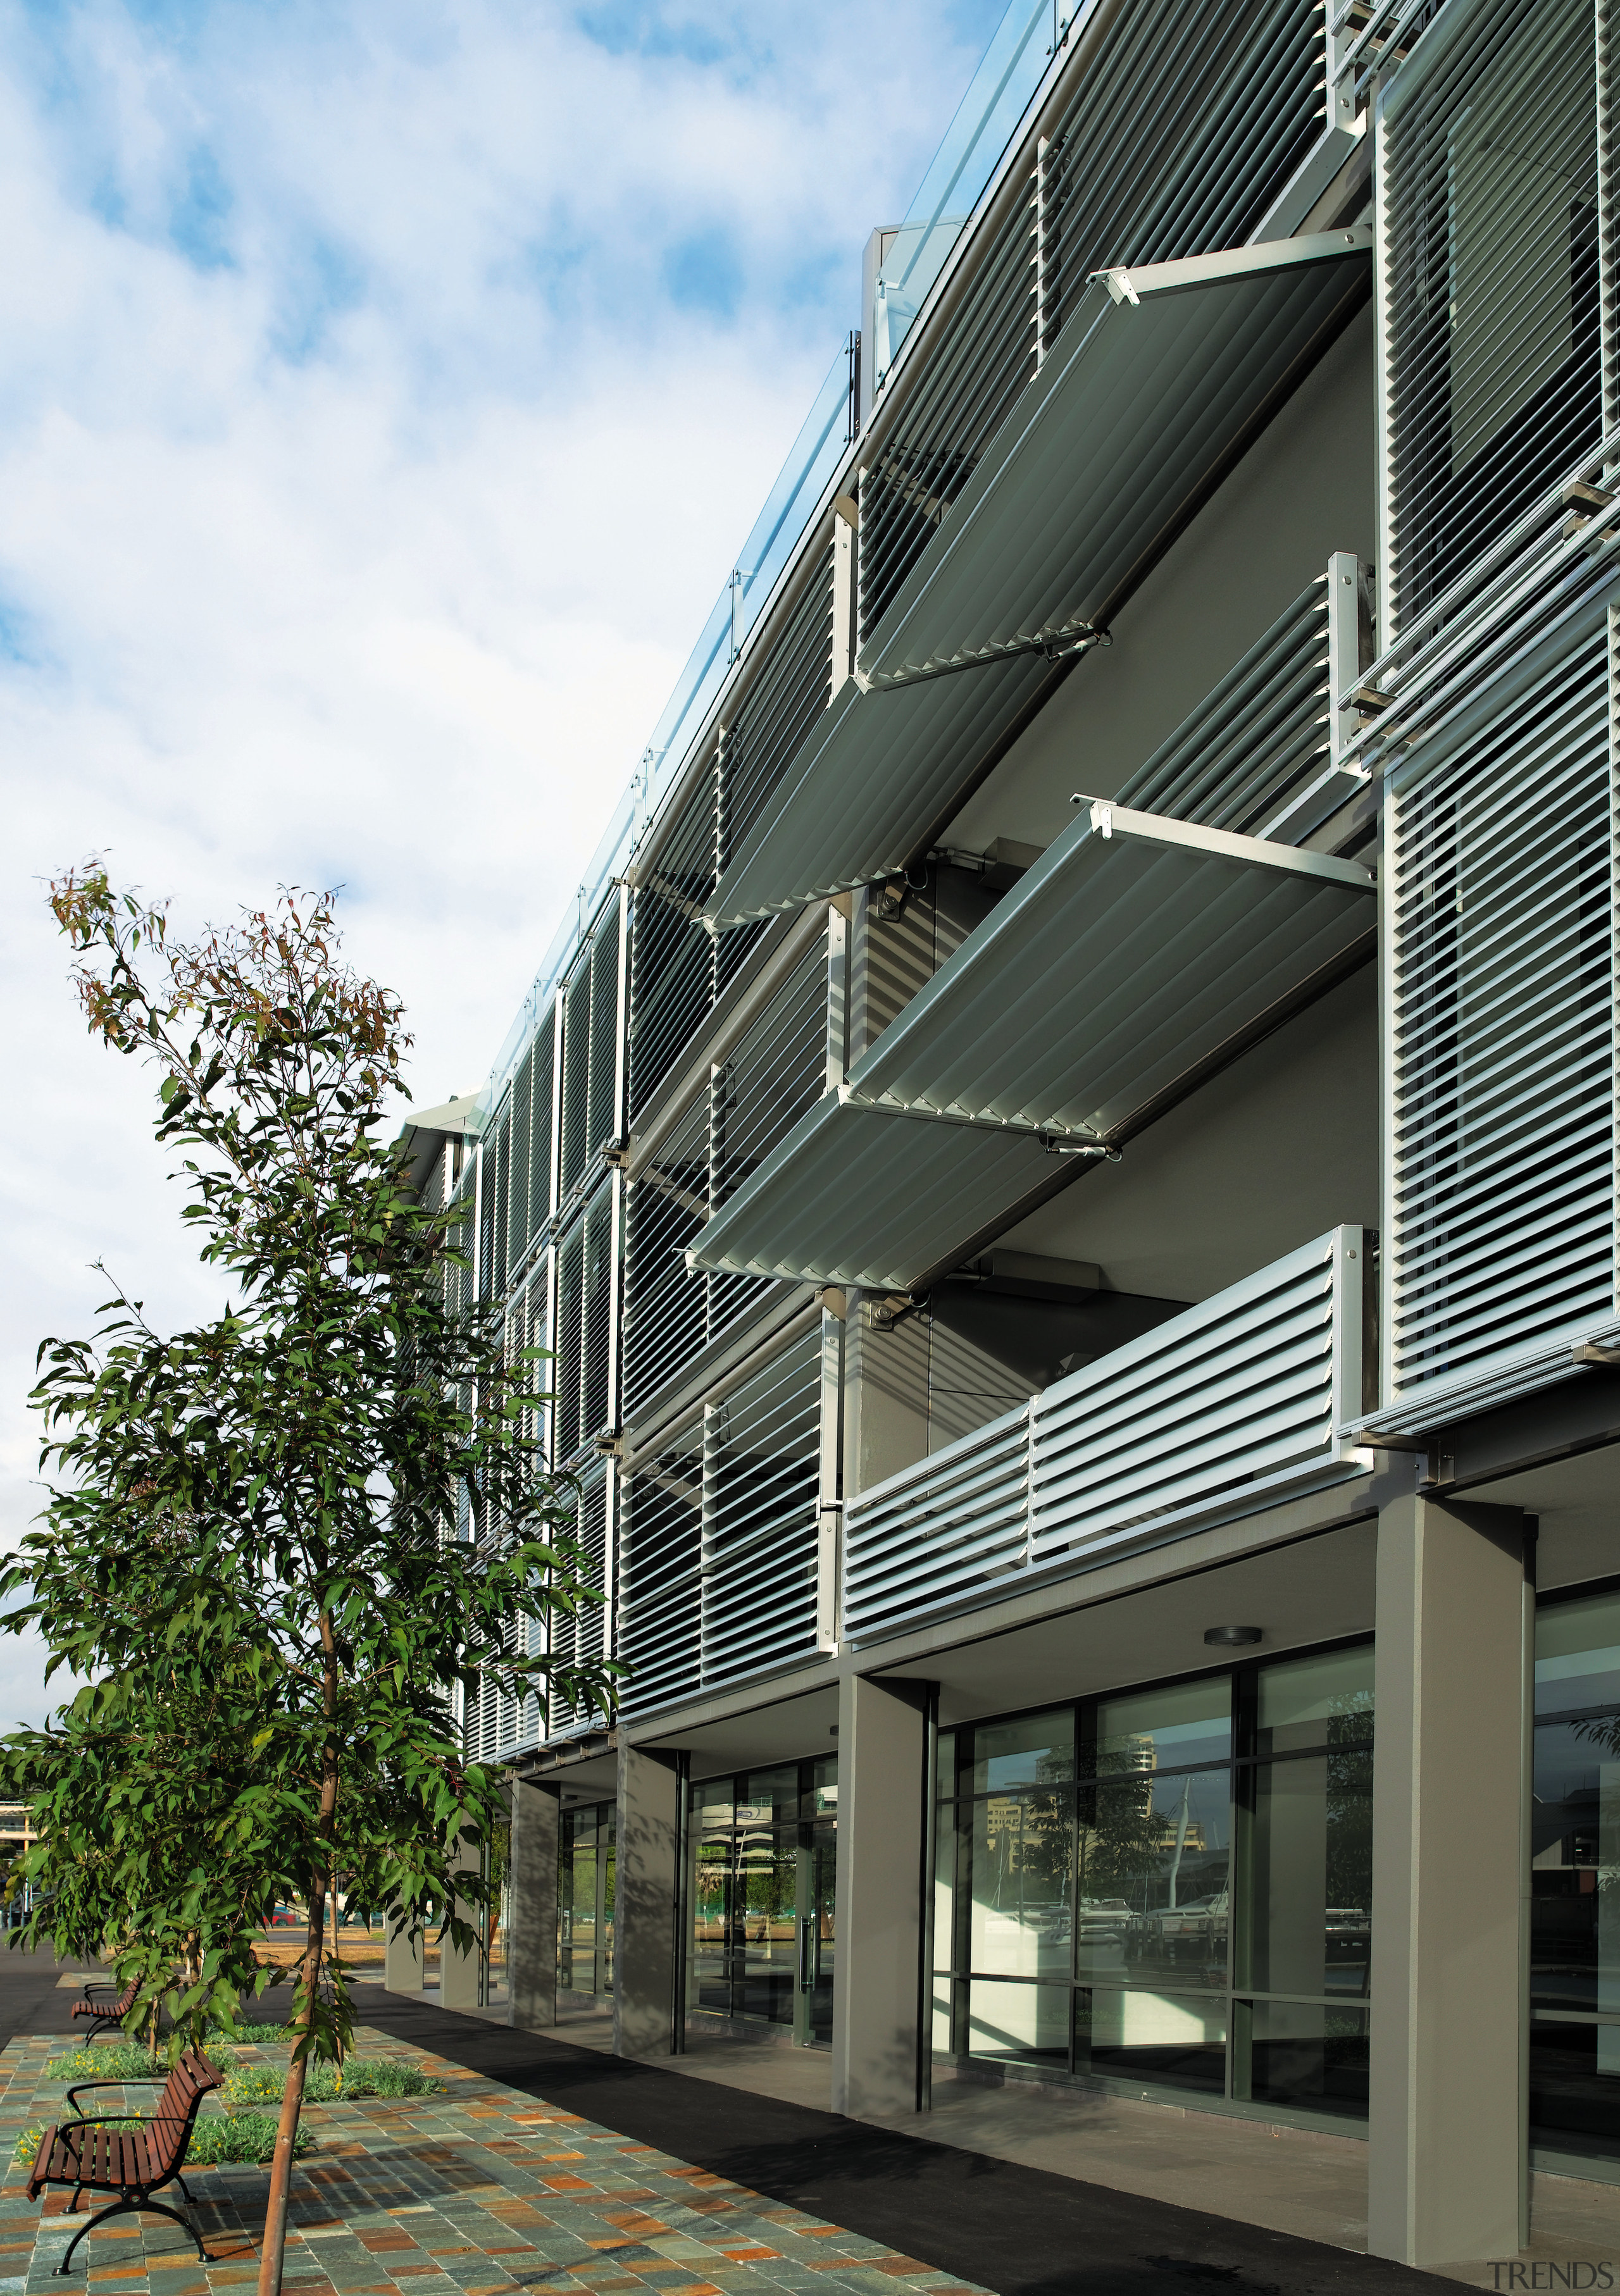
(476, 2191)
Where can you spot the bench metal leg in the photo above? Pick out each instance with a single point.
(133, 2209)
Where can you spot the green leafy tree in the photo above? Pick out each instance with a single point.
(274, 1543)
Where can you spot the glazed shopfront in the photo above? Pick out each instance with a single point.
(1170, 1890)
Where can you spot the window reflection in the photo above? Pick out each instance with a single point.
(762, 1885)
(1126, 1887)
(1575, 1881)
(1311, 1880)
(1036, 1749)
(1176, 2040)
(1154, 1862)
(1022, 1866)
(1178, 1728)
(585, 1900)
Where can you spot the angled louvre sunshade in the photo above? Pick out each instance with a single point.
(1134, 952)
(1156, 385)
(1134, 949)
(847, 810)
(857, 1196)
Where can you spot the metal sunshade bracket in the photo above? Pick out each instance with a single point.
(1135, 283)
(1133, 949)
(1137, 956)
(1154, 389)
(1104, 338)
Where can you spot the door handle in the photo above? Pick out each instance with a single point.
(806, 1939)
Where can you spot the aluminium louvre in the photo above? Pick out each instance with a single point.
(1152, 390)
(855, 1197)
(1136, 953)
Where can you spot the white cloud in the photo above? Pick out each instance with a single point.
(386, 388)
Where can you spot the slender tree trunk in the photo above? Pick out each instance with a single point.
(274, 2247)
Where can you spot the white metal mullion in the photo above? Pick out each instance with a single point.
(1380, 132)
(1614, 912)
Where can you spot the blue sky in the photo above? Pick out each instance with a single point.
(385, 390)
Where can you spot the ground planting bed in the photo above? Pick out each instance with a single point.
(478, 2191)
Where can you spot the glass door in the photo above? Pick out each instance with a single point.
(816, 1920)
(765, 1926)
(763, 1898)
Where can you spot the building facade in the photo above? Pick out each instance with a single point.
(1065, 1154)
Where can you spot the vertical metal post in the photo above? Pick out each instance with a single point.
(1608, 318)
(1614, 929)
(1041, 286)
(858, 495)
(1382, 234)
(621, 1023)
(1348, 647)
(477, 1221)
(1389, 1231)
(925, 1976)
(1347, 1253)
(705, 1534)
(843, 660)
(683, 1901)
(837, 995)
(610, 1558)
(615, 1291)
(829, 1509)
(554, 1178)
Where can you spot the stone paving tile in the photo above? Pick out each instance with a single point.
(481, 2192)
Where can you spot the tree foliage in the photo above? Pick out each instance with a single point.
(272, 1543)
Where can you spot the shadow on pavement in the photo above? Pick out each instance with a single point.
(1017, 2230)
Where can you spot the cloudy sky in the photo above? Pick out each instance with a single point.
(385, 389)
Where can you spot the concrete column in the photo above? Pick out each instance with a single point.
(531, 1935)
(879, 1914)
(402, 1963)
(459, 1973)
(1446, 2171)
(647, 1954)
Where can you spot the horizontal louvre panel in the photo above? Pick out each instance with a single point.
(762, 1461)
(602, 1106)
(666, 1310)
(673, 952)
(981, 364)
(679, 971)
(576, 1073)
(1175, 147)
(1492, 282)
(948, 1528)
(518, 1176)
(661, 1579)
(1257, 740)
(583, 1634)
(597, 1411)
(777, 1072)
(1225, 1398)
(754, 1099)
(570, 1344)
(1502, 1013)
(789, 691)
(540, 1137)
(1235, 1401)
(721, 1536)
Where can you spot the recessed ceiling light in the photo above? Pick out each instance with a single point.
(1228, 1635)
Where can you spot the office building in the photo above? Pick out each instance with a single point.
(1066, 1150)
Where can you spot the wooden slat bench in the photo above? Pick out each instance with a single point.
(106, 2012)
(95, 2156)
